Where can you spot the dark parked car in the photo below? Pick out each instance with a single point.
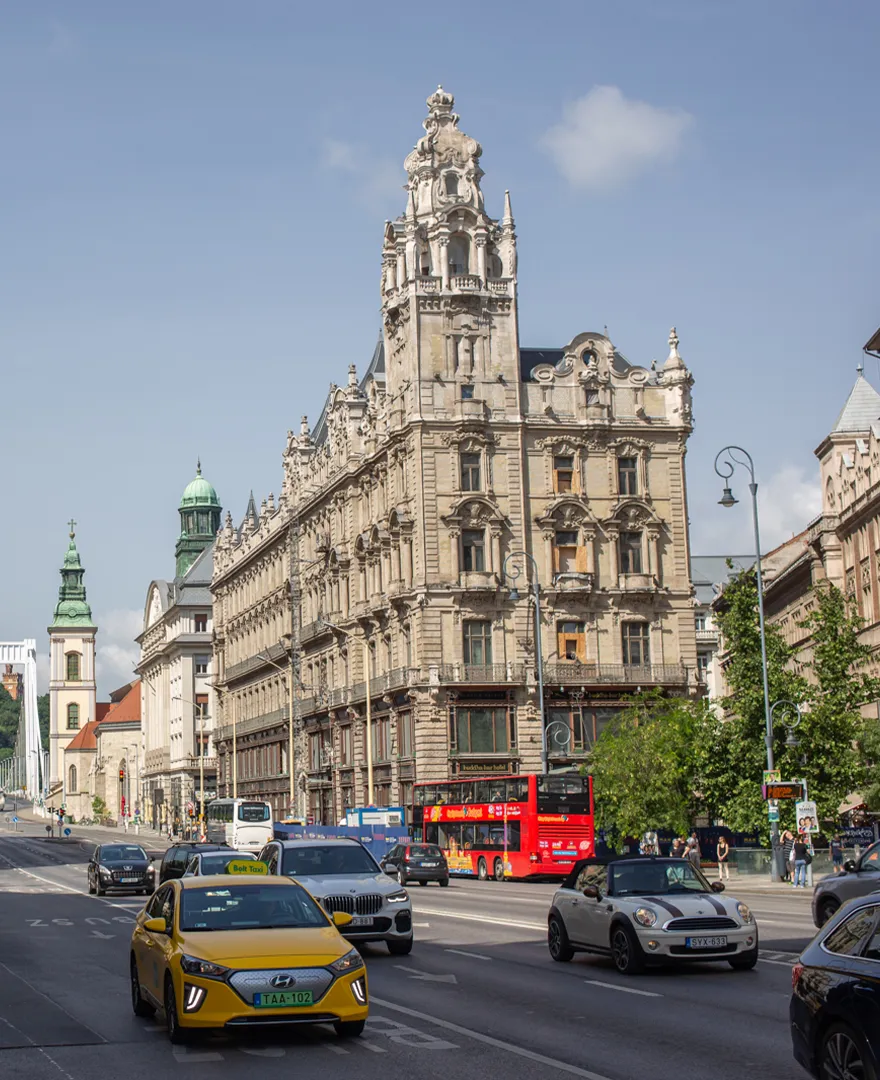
(416, 862)
(835, 1001)
(215, 862)
(858, 879)
(178, 856)
(120, 868)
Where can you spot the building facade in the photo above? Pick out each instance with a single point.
(72, 685)
(175, 669)
(392, 565)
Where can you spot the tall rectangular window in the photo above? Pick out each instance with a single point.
(201, 622)
(200, 664)
(380, 740)
(571, 641)
(566, 552)
(700, 620)
(563, 473)
(478, 642)
(481, 731)
(702, 666)
(345, 756)
(470, 472)
(73, 667)
(405, 742)
(473, 549)
(628, 475)
(201, 703)
(636, 644)
(630, 549)
(72, 717)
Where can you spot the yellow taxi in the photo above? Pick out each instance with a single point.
(243, 949)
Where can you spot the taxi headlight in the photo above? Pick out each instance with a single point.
(645, 916)
(352, 961)
(193, 966)
(745, 913)
(398, 897)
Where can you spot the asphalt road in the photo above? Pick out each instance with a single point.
(478, 998)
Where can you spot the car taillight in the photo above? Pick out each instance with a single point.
(796, 973)
(406, 854)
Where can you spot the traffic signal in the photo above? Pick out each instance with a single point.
(122, 772)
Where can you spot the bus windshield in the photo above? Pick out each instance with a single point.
(253, 812)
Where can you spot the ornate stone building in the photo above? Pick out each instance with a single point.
(175, 668)
(390, 555)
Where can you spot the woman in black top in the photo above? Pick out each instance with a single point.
(801, 850)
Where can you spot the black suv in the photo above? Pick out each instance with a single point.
(416, 862)
(177, 857)
(120, 868)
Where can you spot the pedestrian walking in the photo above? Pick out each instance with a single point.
(693, 852)
(723, 859)
(801, 851)
(677, 849)
(787, 846)
(836, 853)
(695, 841)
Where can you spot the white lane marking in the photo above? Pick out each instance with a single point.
(426, 976)
(499, 1044)
(622, 989)
(422, 925)
(473, 955)
(336, 1049)
(489, 919)
(372, 1046)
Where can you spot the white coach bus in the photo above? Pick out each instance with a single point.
(243, 824)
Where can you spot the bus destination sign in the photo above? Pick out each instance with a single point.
(784, 789)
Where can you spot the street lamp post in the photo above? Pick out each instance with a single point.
(515, 572)
(369, 716)
(291, 703)
(725, 469)
(201, 712)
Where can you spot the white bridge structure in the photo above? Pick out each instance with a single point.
(27, 768)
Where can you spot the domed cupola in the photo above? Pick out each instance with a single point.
(199, 520)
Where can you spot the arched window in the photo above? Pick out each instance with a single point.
(72, 716)
(73, 667)
(71, 780)
(459, 254)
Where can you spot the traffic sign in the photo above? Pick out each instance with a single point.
(786, 789)
(14, 820)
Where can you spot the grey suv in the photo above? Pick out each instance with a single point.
(858, 879)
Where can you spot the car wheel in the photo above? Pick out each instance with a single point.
(401, 877)
(400, 946)
(138, 1006)
(745, 961)
(826, 909)
(91, 888)
(557, 940)
(98, 890)
(176, 1034)
(349, 1029)
(626, 951)
(444, 882)
(482, 870)
(498, 870)
(843, 1055)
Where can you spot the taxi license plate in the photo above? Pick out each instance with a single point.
(129, 880)
(361, 920)
(282, 999)
(705, 942)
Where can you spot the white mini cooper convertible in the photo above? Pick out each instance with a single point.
(649, 910)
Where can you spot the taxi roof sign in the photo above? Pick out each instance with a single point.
(246, 867)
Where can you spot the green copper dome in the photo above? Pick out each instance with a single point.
(72, 608)
(199, 492)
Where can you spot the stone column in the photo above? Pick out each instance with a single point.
(496, 552)
(654, 554)
(453, 552)
(346, 584)
(590, 546)
(401, 265)
(444, 260)
(407, 562)
(612, 555)
(548, 553)
(481, 258)
(395, 559)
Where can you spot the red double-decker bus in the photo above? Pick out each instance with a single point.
(508, 826)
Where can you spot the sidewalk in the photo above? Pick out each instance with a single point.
(97, 834)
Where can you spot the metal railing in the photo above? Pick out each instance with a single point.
(574, 673)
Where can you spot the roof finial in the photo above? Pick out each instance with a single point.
(199, 465)
(860, 368)
(508, 213)
(72, 526)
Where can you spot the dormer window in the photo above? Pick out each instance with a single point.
(451, 184)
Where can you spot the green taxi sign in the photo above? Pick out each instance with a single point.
(246, 866)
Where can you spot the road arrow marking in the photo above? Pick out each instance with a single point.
(106, 937)
(426, 976)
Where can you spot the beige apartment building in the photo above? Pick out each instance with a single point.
(389, 569)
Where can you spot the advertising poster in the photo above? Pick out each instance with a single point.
(806, 817)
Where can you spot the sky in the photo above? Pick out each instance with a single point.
(192, 198)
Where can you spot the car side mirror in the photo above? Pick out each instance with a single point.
(717, 886)
(592, 892)
(850, 866)
(156, 926)
(388, 869)
(341, 918)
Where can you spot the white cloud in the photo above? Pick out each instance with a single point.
(787, 502)
(604, 138)
(117, 652)
(379, 180)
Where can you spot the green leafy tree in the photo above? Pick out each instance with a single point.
(869, 749)
(643, 766)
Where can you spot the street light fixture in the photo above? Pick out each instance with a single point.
(725, 469)
(201, 713)
(514, 574)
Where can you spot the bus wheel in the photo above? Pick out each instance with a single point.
(482, 870)
(498, 870)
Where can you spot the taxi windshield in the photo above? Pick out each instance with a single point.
(121, 852)
(656, 878)
(315, 860)
(249, 907)
(216, 864)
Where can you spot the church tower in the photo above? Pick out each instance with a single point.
(449, 284)
(199, 521)
(72, 687)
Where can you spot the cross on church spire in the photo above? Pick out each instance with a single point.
(72, 525)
